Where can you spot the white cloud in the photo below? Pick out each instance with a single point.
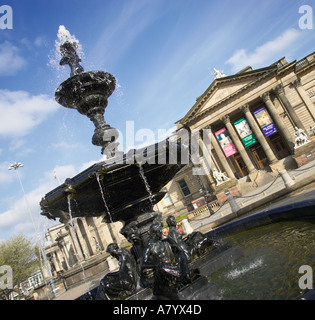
(17, 217)
(20, 112)
(263, 54)
(10, 60)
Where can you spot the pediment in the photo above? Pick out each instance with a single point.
(225, 88)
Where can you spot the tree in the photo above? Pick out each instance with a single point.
(19, 254)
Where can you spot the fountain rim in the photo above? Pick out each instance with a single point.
(76, 85)
(102, 168)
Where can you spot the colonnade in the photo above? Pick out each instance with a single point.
(282, 128)
(76, 242)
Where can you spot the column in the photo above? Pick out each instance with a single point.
(258, 134)
(89, 236)
(82, 240)
(238, 144)
(279, 90)
(56, 261)
(75, 243)
(206, 144)
(277, 119)
(62, 255)
(206, 164)
(221, 156)
(304, 96)
(97, 233)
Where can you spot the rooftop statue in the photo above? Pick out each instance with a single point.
(218, 74)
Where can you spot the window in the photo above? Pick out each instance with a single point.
(183, 185)
(167, 199)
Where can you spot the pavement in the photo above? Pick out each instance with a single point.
(272, 195)
(80, 289)
(269, 196)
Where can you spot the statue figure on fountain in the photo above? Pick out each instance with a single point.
(219, 176)
(301, 137)
(163, 269)
(131, 232)
(69, 54)
(193, 244)
(123, 282)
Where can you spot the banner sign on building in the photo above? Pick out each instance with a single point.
(226, 143)
(265, 121)
(245, 132)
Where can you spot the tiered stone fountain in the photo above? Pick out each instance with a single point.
(125, 190)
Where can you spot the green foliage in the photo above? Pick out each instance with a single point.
(18, 253)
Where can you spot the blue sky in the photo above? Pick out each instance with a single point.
(162, 54)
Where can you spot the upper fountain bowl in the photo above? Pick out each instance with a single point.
(86, 90)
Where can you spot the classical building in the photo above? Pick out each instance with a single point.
(78, 241)
(253, 124)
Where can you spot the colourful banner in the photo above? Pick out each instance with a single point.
(265, 121)
(245, 132)
(226, 142)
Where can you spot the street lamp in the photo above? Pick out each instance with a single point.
(16, 166)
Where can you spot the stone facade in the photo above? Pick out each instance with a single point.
(285, 94)
(79, 241)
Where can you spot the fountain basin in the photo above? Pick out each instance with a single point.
(121, 184)
(85, 90)
(275, 244)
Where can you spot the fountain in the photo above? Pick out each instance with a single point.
(122, 189)
(125, 189)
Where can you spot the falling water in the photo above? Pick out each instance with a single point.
(107, 209)
(147, 186)
(75, 239)
(103, 197)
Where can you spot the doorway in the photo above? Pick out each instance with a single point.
(241, 165)
(279, 146)
(260, 157)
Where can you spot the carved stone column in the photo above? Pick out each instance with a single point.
(82, 240)
(75, 243)
(89, 239)
(276, 117)
(304, 96)
(221, 156)
(258, 134)
(279, 90)
(238, 144)
(207, 162)
(62, 256)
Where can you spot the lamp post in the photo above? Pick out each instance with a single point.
(15, 166)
